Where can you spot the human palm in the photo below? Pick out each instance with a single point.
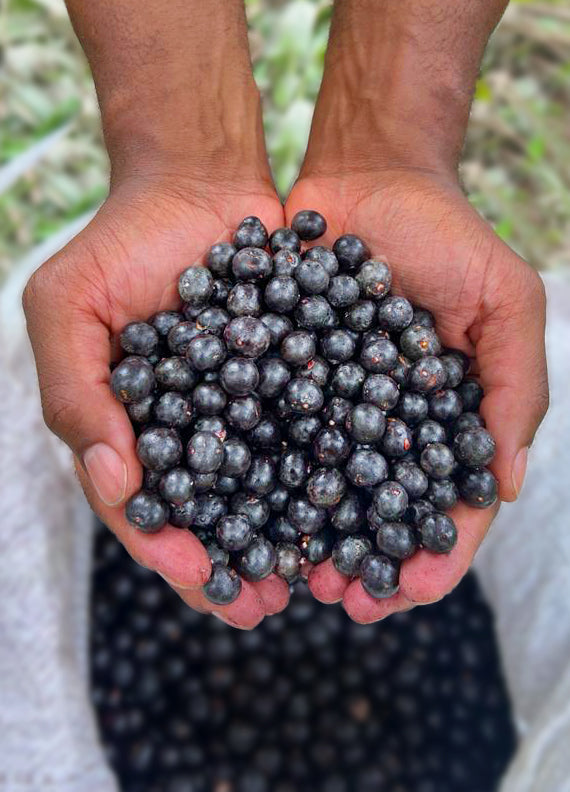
(487, 302)
(124, 266)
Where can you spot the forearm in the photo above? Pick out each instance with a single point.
(173, 79)
(399, 80)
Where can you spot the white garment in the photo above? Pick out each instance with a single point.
(48, 737)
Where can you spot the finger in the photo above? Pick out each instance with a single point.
(326, 583)
(511, 355)
(274, 592)
(427, 577)
(364, 609)
(245, 613)
(177, 555)
(72, 350)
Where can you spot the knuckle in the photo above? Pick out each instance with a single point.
(59, 412)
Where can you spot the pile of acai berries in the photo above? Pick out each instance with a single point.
(294, 410)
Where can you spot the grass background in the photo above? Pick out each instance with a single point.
(516, 166)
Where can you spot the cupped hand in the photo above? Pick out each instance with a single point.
(125, 266)
(487, 301)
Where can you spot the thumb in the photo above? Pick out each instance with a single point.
(72, 351)
(511, 355)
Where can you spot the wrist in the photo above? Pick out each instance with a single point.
(398, 85)
(180, 135)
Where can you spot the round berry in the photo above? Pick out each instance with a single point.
(374, 279)
(164, 321)
(250, 233)
(209, 399)
(252, 264)
(282, 294)
(326, 487)
(303, 430)
(284, 239)
(195, 286)
(471, 394)
(350, 251)
(141, 411)
(348, 553)
(316, 369)
(343, 291)
(360, 316)
(180, 336)
(390, 500)
(331, 447)
(258, 560)
(247, 336)
(255, 509)
(260, 477)
(395, 314)
(139, 338)
(437, 460)
(204, 452)
(173, 409)
(412, 408)
(474, 447)
(236, 458)
(348, 379)
(348, 516)
(279, 326)
(442, 494)
(379, 576)
(417, 342)
(159, 448)
(224, 585)
(429, 431)
(239, 376)
(381, 391)
(397, 439)
(366, 468)
(445, 405)
(411, 477)
(287, 562)
(212, 320)
(183, 515)
(477, 488)
(132, 380)
(437, 532)
(304, 396)
(243, 412)
(294, 468)
(338, 346)
(298, 348)
(324, 256)
(146, 511)
(312, 277)
(244, 299)
(175, 374)
(309, 224)
(427, 374)
(396, 539)
(365, 423)
(285, 262)
(234, 532)
(219, 259)
(379, 356)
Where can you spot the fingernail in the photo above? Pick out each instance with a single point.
(519, 470)
(107, 472)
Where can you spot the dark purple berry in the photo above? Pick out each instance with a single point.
(309, 225)
(146, 511)
(437, 532)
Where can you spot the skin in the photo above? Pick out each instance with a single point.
(186, 167)
(382, 162)
(182, 124)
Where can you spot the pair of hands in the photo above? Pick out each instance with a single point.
(125, 266)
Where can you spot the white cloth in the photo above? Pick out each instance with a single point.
(48, 737)
(524, 568)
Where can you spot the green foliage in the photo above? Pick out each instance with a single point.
(516, 166)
